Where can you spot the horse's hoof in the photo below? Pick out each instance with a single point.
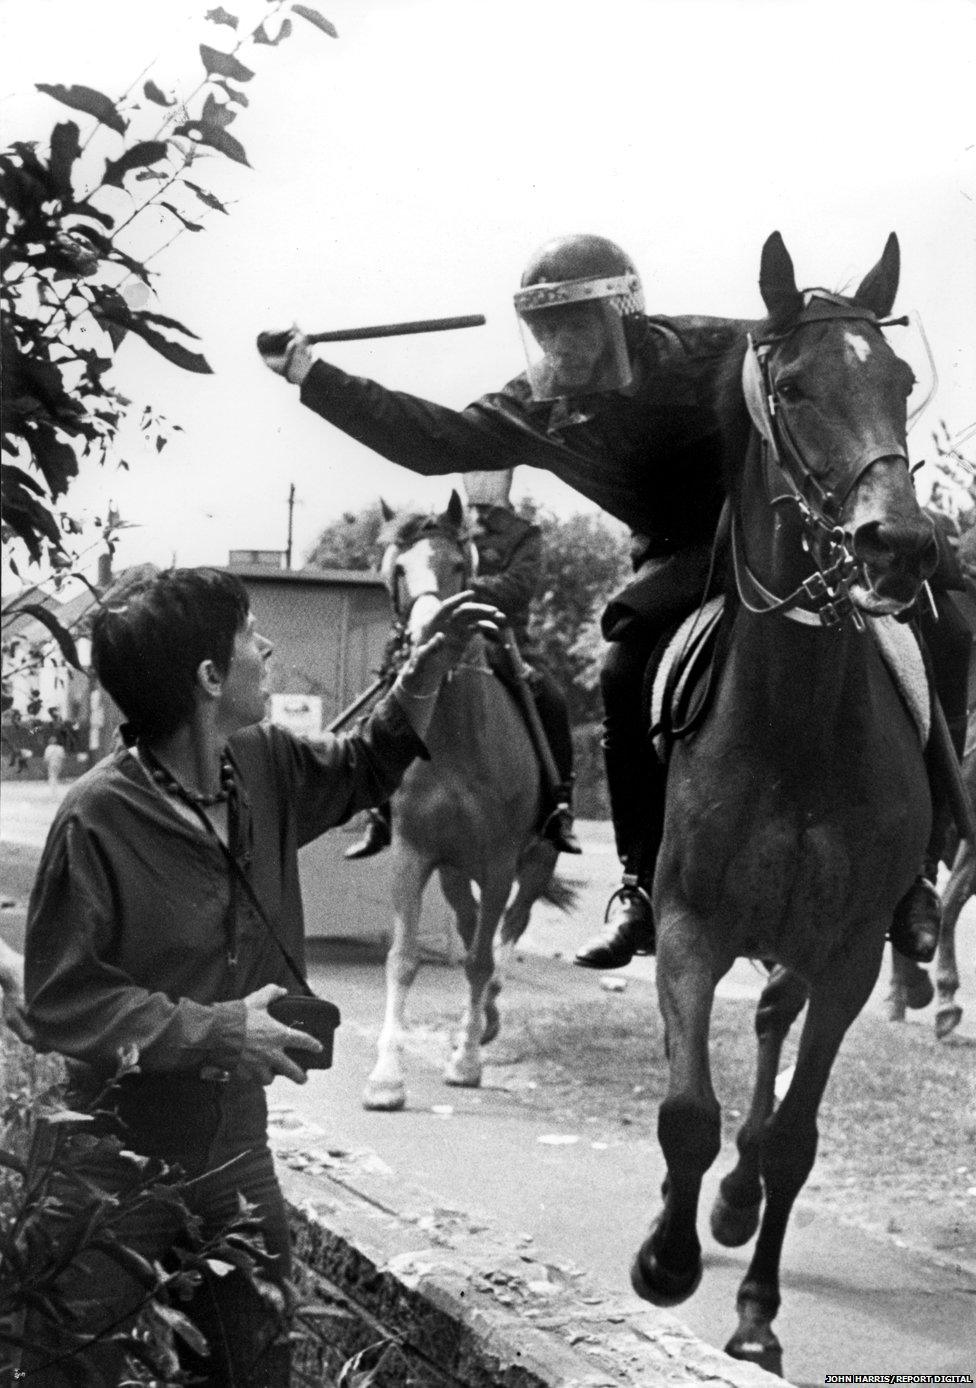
(946, 1020)
(657, 1284)
(765, 1354)
(385, 1097)
(918, 989)
(734, 1225)
(463, 1076)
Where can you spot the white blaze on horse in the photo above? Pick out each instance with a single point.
(799, 812)
(469, 813)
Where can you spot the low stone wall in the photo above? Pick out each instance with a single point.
(429, 1297)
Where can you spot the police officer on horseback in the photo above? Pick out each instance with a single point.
(618, 404)
(508, 574)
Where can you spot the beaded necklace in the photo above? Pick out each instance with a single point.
(168, 782)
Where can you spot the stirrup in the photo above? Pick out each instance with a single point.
(629, 886)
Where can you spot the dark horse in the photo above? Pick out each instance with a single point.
(798, 814)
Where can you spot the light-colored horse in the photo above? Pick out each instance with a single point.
(798, 814)
(911, 986)
(468, 813)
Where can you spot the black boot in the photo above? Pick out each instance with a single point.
(558, 829)
(558, 825)
(917, 920)
(629, 929)
(377, 836)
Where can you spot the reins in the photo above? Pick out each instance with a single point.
(824, 598)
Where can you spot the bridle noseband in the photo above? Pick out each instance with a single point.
(823, 599)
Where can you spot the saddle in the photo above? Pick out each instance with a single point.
(683, 673)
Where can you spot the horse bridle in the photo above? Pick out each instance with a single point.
(824, 598)
(427, 526)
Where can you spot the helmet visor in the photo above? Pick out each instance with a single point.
(575, 349)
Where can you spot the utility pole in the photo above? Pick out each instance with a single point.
(291, 513)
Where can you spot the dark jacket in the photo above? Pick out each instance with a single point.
(509, 565)
(127, 927)
(650, 457)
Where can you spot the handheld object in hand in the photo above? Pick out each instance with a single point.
(314, 1015)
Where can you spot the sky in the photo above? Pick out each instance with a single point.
(409, 168)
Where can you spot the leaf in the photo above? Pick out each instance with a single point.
(96, 212)
(232, 92)
(146, 152)
(87, 99)
(318, 20)
(167, 347)
(261, 34)
(220, 16)
(219, 1267)
(161, 320)
(215, 114)
(224, 64)
(8, 1160)
(190, 226)
(154, 93)
(182, 1326)
(215, 138)
(66, 643)
(65, 149)
(206, 198)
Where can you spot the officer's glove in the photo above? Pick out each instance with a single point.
(287, 354)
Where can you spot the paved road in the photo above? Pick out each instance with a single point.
(852, 1304)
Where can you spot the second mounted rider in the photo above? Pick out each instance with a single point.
(509, 570)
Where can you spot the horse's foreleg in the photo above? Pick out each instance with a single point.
(385, 1087)
(789, 1143)
(667, 1268)
(464, 1067)
(735, 1214)
(958, 890)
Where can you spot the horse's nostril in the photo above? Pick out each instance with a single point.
(895, 542)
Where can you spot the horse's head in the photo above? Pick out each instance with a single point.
(829, 395)
(428, 557)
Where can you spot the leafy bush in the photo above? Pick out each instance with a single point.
(41, 1188)
(73, 286)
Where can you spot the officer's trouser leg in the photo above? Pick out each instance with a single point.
(636, 783)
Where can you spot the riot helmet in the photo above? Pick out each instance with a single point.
(575, 293)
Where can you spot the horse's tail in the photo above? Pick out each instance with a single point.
(561, 894)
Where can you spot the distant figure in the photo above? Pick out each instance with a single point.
(54, 758)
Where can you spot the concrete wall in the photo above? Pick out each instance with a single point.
(429, 1297)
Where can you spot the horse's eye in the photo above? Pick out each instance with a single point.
(789, 391)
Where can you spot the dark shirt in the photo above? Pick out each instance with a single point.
(126, 928)
(650, 457)
(509, 564)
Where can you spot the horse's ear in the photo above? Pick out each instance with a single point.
(878, 288)
(777, 281)
(455, 510)
(387, 512)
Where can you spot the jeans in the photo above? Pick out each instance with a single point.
(217, 1134)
